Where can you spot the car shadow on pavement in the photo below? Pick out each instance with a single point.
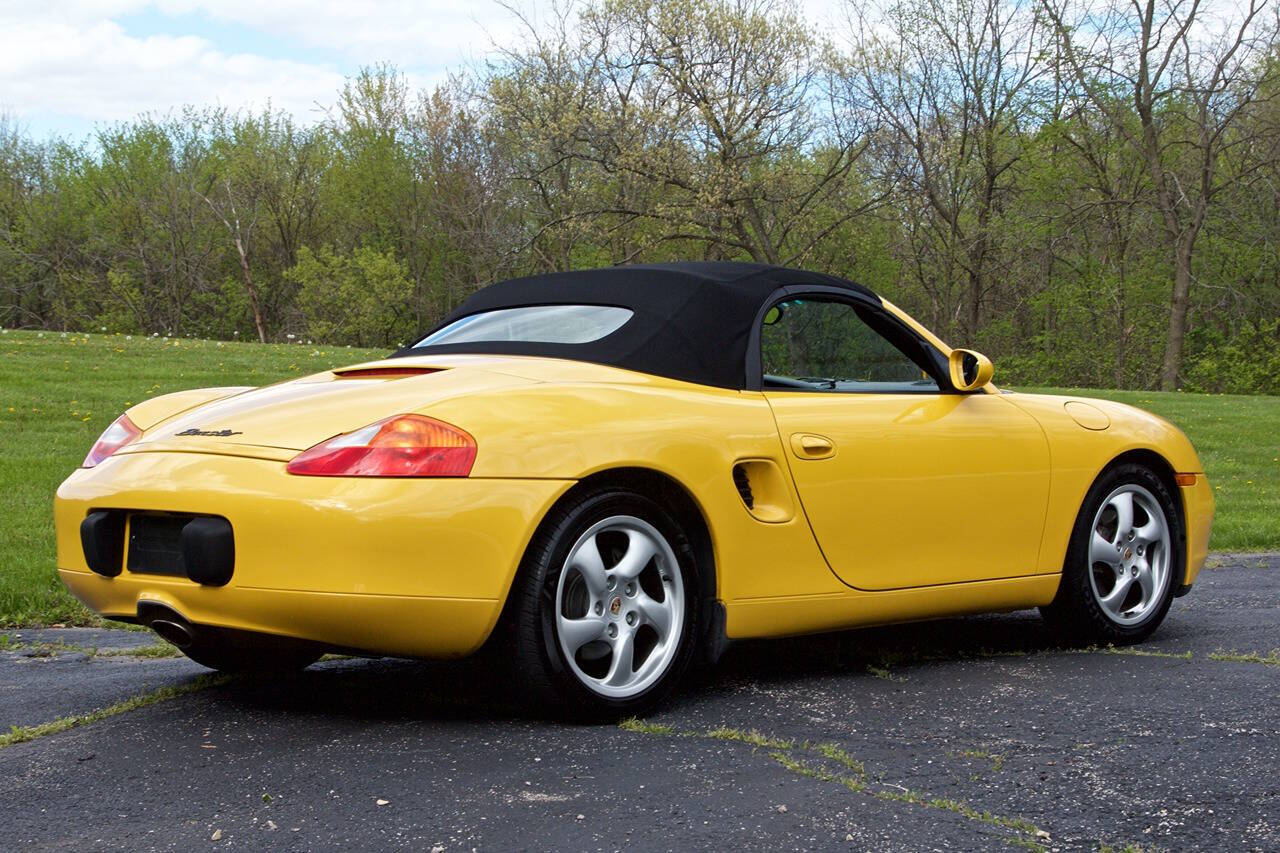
(480, 688)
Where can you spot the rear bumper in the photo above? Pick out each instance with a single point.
(413, 626)
(395, 566)
(1197, 503)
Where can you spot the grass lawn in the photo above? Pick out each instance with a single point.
(58, 392)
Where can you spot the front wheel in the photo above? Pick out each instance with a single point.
(606, 608)
(1124, 560)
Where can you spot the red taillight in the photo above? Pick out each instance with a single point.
(400, 446)
(121, 432)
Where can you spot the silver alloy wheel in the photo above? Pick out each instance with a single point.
(620, 607)
(1129, 554)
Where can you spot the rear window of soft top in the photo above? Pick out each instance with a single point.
(542, 324)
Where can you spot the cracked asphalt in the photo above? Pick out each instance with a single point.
(968, 733)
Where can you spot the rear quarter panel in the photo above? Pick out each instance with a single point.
(693, 434)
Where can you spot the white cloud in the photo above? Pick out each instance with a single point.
(94, 70)
(74, 61)
(429, 33)
(409, 33)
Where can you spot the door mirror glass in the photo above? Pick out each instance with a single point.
(969, 370)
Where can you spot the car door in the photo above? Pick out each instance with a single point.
(905, 482)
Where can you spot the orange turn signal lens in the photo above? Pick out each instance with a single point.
(1185, 479)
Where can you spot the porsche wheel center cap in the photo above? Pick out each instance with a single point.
(1128, 553)
(615, 606)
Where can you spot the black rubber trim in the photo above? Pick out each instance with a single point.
(209, 550)
(102, 538)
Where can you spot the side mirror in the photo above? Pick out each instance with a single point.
(969, 370)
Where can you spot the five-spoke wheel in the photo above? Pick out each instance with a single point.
(1125, 551)
(620, 606)
(1129, 554)
(607, 606)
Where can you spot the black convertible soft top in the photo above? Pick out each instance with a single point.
(692, 321)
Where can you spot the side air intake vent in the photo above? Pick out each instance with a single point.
(743, 482)
(764, 490)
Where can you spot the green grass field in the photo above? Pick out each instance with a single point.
(58, 392)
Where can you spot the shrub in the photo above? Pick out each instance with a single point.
(356, 299)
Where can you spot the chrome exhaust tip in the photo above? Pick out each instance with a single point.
(167, 622)
(175, 632)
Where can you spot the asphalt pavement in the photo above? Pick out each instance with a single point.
(973, 733)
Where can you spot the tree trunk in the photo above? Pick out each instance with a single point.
(1177, 314)
(973, 308)
(253, 292)
(977, 274)
(1122, 325)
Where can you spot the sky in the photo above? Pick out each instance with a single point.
(68, 66)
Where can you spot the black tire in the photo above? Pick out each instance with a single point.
(1076, 612)
(547, 684)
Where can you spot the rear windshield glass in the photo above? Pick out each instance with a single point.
(542, 324)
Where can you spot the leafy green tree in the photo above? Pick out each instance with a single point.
(357, 299)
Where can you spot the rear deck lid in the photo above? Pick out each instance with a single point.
(279, 420)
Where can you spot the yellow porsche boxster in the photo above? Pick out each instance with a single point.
(605, 475)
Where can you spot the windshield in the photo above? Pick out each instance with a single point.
(543, 324)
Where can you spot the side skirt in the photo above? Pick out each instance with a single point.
(807, 614)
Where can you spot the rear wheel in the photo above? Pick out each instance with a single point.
(1122, 565)
(606, 607)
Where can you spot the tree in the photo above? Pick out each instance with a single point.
(358, 298)
(235, 199)
(1109, 192)
(43, 231)
(145, 222)
(703, 122)
(954, 85)
(1190, 90)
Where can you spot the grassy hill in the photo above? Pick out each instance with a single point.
(59, 391)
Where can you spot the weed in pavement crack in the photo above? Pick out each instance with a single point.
(852, 774)
(21, 734)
